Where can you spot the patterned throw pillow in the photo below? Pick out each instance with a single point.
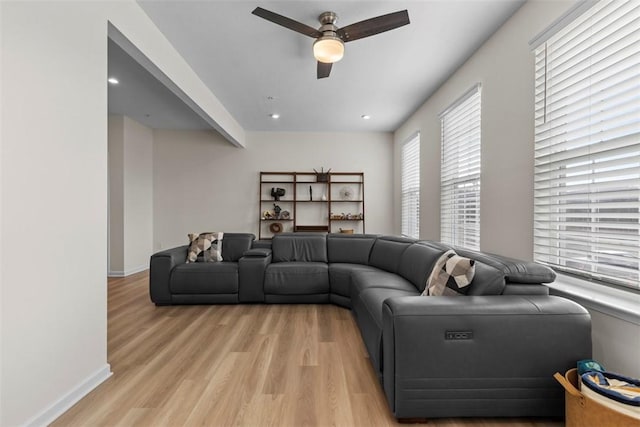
(451, 275)
(209, 244)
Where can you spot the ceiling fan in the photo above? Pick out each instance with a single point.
(329, 45)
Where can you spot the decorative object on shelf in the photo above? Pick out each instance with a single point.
(322, 176)
(275, 228)
(311, 211)
(346, 193)
(276, 193)
(346, 230)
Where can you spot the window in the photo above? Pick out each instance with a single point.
(410, 168)
(587, 145)
(460, 172)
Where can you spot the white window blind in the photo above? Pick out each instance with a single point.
(411, 187)
(460, 172)
(587, 145)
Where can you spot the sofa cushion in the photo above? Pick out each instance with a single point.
(296, 278)
(350, 248)
(387, 251)
(205, 278)
(235, 245)
(417, 263)
(306, 247)
(340, 276)
(205, 247)
(361, 280)
(451, 275)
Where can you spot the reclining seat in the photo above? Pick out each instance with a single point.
(347, 254)
(173, 281)
(298, 272)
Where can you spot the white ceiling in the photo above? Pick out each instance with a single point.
(244, 59)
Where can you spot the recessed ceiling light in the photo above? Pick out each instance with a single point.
(113, 80)
(274, 116)
(365, 117)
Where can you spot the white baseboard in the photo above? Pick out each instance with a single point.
(59, 407)
(129, 272)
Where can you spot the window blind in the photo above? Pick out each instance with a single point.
(587, 145)
(410, 168)
(460, 172)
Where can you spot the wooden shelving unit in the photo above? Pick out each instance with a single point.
(311, 203)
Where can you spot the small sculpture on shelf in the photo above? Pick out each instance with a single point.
(276, 193)
(276, 211)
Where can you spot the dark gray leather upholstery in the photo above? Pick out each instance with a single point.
(340, 277)
(296, 278)
(367, 310)
(160, 267)
(205, 278)
(510, 346)
(350, 248)
(417, 262)
(361, 280)
(504, 369)
(251, 268)
(234, 245)
(387, 252)
(303, 247)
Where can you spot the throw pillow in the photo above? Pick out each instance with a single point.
(208, 244)
(451, 275)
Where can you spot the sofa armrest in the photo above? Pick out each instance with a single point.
(160, 267)
(251, 268)
(496, 345)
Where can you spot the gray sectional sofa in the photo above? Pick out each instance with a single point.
(490, 353)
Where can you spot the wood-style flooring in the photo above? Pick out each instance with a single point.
(250, 365)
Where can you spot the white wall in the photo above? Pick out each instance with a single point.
(504, 66)
(115, 144)
(201, 183)
(53, 215)
(130, 196)
(54, 210)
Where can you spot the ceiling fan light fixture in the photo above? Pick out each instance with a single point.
(328, 49)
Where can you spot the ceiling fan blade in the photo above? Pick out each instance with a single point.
(287, 22)
(370, 27)
(324, 69)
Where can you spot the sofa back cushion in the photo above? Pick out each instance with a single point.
(350, 248)
(417, 263)
(387, 251)
(306, 247)
(234, 245)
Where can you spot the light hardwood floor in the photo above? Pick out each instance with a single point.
(252, 365)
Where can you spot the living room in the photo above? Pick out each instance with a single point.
(55, 136)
